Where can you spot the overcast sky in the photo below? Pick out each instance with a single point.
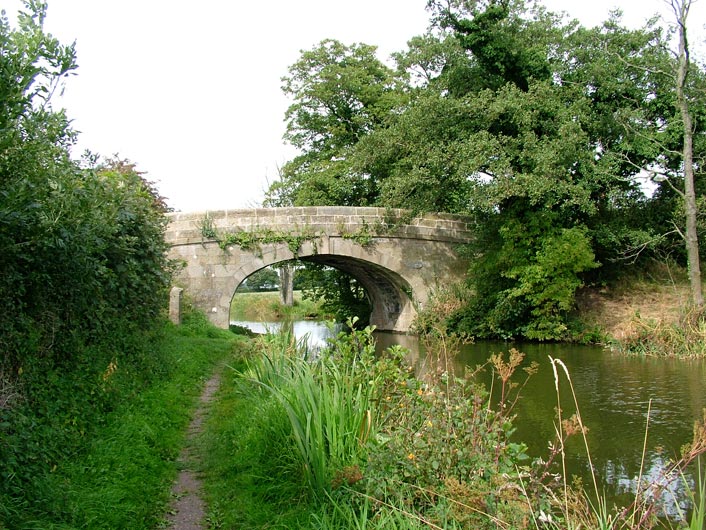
(190, 91)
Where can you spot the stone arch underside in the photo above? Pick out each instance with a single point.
(389, 293)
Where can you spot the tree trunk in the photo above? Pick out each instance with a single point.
(681, 9)
(286, 285)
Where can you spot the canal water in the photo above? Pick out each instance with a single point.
(614, 394)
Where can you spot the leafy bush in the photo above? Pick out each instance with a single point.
(525, 280)
(82, 244)
(83, 271)
(444, 450)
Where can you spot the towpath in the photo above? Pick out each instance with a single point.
(188, 509)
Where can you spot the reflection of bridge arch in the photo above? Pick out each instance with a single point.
(398, 267)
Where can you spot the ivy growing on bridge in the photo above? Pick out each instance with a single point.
(252, 240)
(364, 236)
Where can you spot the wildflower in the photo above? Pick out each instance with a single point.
(545, 517)
(112, 367)
(411, 456)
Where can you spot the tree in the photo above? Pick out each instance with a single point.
(508, 135)
(672, 135)
(265, 279)
(681, 12)
(341, 294)
(506, 112)
(286, 286)
(340, 93)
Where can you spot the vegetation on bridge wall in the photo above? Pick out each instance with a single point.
(254, 238)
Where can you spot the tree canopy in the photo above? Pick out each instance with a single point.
(537, 127)
(82, 251)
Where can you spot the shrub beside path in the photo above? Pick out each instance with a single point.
(188, 510)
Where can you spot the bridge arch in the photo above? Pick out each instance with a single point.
(389, 292)
(398, 266)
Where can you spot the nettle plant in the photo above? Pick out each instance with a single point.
(444, 443)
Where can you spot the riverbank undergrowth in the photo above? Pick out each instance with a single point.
(422, 450)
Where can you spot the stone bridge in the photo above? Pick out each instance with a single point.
(399, 261)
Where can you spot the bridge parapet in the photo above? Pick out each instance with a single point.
(186, 228)
(398, 259)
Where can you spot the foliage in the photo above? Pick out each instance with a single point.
(364, 236)
(81, 245)
(445, 449)
(340, 294)
(81, 297)
(505, 112)
(84, 273)
(340, 93)
(102, 454)
(253, 239)
(443, 304)
(265, 279)
(525, 286)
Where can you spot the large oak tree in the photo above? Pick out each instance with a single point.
(535, 126)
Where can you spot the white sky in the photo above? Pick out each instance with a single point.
(190, 91)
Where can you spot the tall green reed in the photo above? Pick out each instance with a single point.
(328, 400)
(697, 521)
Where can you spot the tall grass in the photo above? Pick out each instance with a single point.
(697, 521)
(370, 514)
(328, 402)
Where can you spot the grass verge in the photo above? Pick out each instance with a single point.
(267, 307)
(244, 461)
(121, 477)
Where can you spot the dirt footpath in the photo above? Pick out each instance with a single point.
(188, 510)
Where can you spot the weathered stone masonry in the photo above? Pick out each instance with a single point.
(398, 267)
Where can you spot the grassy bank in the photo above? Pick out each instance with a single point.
(240, 449)
(119, 473)
(647, 313)
(356, 441)
(266, 307)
